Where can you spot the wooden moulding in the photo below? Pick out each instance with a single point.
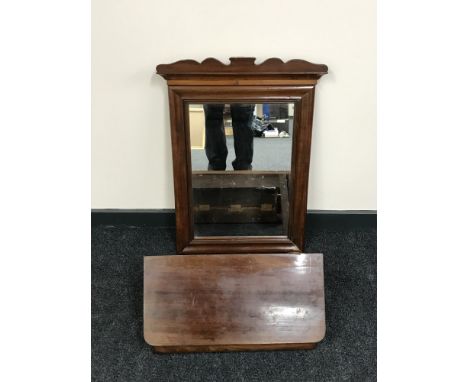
(236, 302)
(241, 71)
(232, 347)
(242, 66)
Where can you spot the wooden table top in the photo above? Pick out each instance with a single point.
(233, 302)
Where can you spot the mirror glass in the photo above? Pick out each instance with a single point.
(241, 162)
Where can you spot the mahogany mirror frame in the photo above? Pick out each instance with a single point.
(243, 81)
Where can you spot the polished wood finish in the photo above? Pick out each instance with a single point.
(242, 68)
(240, 244)
(245, 81)
(219, 348)
(241, 81)
(235, 302)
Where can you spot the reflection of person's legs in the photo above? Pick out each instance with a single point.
(215, 137)
(242, 118)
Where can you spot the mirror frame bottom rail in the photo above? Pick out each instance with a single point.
(240, 244)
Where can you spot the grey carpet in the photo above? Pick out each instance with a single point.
(119, 352)
(270, 154)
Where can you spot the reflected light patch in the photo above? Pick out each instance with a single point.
(301, 260)
(279, 312)
(301, 264)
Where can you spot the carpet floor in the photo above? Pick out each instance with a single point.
(119, 352)
(270, 154)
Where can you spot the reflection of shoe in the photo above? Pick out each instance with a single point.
(242, 168)
(216, 168)
(284, 134)
(271, 133)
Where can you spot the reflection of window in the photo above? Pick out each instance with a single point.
(197, 126)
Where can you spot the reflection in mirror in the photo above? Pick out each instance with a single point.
(241, 161)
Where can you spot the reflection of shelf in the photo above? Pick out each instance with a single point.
(241, 197)
(282, 124)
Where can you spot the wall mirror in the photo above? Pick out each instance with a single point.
(241, 141)
(241, 162)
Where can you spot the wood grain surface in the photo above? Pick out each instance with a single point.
(233, 302)
(242, 67)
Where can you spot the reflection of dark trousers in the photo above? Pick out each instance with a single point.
(215, 137)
